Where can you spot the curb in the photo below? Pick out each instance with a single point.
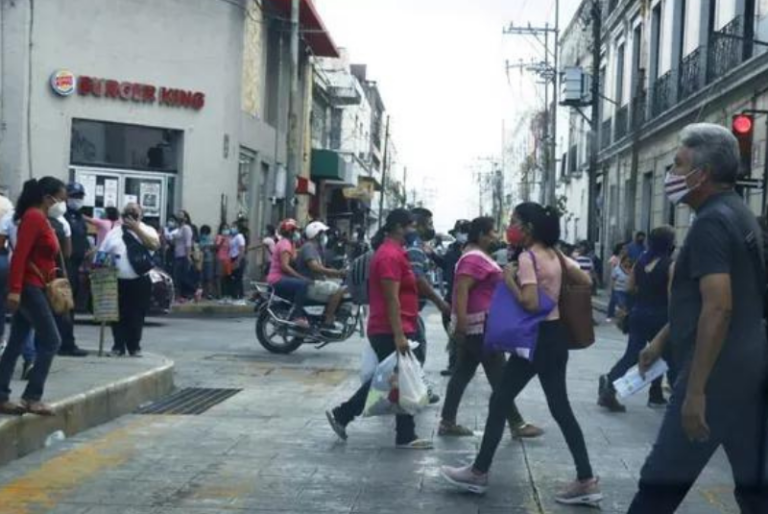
(20, 436)
(192, 310)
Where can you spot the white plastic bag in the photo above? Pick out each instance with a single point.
(384, 394)
(368, 362)
(413, 389)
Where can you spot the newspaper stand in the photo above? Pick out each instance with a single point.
(104, 297)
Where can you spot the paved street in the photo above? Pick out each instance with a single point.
(269, 449)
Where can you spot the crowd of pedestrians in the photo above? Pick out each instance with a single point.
(700, 307)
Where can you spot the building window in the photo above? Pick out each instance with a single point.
(637, 42)
(655, 41)
(336, 118)
(117, 145)
(620, 76)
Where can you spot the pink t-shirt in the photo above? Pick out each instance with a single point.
(222, 243)
(487, 275)
(275, 267)
(102, 228)
(547, 273)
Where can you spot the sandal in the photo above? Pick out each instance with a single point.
(416, 444)
(11, 409)
(453, 430)
(38, 408)
(527, 431)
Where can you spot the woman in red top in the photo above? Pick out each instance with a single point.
(34, 262)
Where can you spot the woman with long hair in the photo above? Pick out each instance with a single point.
(476, 278)
(35, 261)
(648, 285)
(537, 230)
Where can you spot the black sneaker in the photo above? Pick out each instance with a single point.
(26, 369)
(607, 396)
(657, 402)
(433, 398)
(73, 352)
(337, 427)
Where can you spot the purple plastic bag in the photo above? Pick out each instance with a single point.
(512, 329)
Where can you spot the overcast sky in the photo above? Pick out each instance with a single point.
(440, 65)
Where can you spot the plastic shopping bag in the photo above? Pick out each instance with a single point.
(384, 394)
(368, 362)
(413, 389)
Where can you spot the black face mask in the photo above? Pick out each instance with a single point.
(429, 234)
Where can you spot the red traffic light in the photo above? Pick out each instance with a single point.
(742, 124)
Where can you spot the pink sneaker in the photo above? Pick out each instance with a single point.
(466, 478)
(581, 492)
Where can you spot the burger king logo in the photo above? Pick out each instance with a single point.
(63, 82)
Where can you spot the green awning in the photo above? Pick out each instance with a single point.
(327, 165)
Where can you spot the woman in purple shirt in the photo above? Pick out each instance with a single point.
(476, 278)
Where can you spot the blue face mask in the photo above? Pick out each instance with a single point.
(233, 231)
(411, 237)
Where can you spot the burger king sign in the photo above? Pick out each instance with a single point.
(63, 82)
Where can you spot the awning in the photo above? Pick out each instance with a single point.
(312, 27)
(328, 165)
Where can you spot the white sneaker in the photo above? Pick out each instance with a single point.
(3, 344)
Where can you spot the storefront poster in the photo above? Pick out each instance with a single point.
(130, 199)
(110, 193)
(100, 190)
(89, 184)
(149, 195)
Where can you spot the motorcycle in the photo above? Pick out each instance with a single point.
(278, 334)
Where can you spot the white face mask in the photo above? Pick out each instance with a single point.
(676, 186)
(75, 203)
(462, 238)
(57, 210)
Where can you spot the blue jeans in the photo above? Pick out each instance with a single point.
(34, 313)
(618, 299)
(29, 352)
(4, 268)
(737, 424)
(294, 289)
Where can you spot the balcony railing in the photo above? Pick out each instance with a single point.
(690, 79)
(639, 110)
(622, 122)
(605, 134)
(662, 94)
(726, 49)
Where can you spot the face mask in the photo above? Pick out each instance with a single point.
(676, 186)
(296, 237)
(57, 210)
(75, 204)
(515, 235)
(462, 238)
(323, 240)
(411, 237)
(233, 231)
(171, 224)
(429, 234)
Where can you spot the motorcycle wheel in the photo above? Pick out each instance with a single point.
(275, 338)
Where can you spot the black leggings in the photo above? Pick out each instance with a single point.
(550, 362)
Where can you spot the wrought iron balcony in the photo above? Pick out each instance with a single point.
(726, 49)
(622, 122)
(690, 74)
(605, 134)
(662, 94)
(639, 109)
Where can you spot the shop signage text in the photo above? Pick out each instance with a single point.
(64, 83)
(137, 92)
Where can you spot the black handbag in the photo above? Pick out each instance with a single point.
(138, 255)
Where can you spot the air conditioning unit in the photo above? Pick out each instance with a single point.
(575, 87)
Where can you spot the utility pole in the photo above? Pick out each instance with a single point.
(294, 133)
(384, 175)
(550, 75)
(597, 22)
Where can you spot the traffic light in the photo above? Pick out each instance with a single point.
(743, 127)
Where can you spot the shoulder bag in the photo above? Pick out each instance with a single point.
(138, 255)
(57, 290)
(576, 309)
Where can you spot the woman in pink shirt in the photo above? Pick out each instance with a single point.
(476, 278)
(289, 283)
(537, 230)
(223, 264)
(103, 226)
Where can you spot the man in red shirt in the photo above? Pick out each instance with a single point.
(394, 311)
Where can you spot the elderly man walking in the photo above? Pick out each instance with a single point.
(716, 334)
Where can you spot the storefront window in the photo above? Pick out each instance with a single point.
(117, 145)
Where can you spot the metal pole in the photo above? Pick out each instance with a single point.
(294, 133)
(592, 229)
(384, 176)
(546, 178)
(555, 93)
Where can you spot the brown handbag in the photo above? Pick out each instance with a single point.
(576, 309)
(57, 290)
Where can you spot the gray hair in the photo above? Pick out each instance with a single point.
(713, 147)
(132, 208)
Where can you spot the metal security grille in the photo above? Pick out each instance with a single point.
(188, 402)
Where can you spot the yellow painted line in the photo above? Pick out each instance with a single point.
(713, 495)
(57, 478)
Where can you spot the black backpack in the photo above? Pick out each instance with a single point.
(140, 258)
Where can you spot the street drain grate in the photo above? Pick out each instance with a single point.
(189, 402)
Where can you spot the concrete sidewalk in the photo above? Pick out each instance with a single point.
(85, 392)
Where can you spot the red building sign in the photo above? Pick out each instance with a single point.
(139, 93)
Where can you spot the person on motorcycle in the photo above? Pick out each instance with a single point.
(289, 283)
(310, 264)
